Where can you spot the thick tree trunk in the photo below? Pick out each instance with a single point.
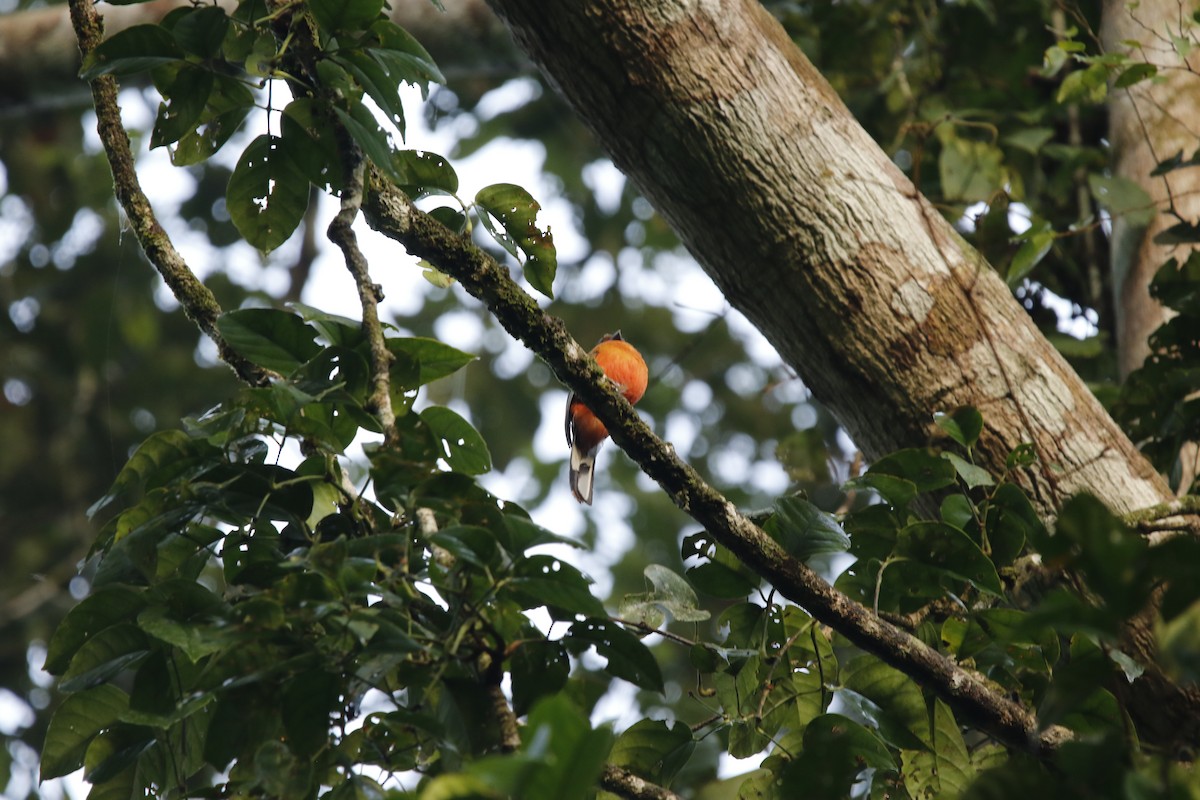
(1148, 123)
(812, 233)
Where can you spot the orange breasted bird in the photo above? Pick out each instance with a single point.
(625, 367)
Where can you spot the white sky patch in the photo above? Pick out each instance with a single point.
(606, 182)
(461, 329)
(16, 223)
(507, 97)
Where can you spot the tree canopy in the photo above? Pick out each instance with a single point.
(868, 527)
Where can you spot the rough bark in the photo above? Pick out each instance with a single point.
(1148, 123)
(39, 61)
(811, 232)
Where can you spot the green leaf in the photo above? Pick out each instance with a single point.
(131, 51)
(963, 425)
(370, 137)
(377, 83)
(105, 607)
(718, 580)
(538, 669)
(1179, 643)
(722, 574)
(160, 459)
(279, 772)
(1076, 697)
(268, 193)
(420, 173)
(1135, 74)
(673, 594)
(228, 104)
(1111, 556)
(311, 142)
(1088, 86)
(345, 15)
(836, 750)
(461, 445)
(1180, 233)
(572, 752)
(971, 170)
(898, 492)
(948, 550)
(105, 655)
(403, 56)
(550, 581)
(335, 328)
(1175, 162)
(523, 534)
(186, 92)
(516, 210)
(903, 719)
(196, 640)
(473, 544)
(628, 658)
(310, 699)
(924, 468)
(274, 339)
(1123, 198)
(109, 760)
(74, 724)
(973, 476)
(943, 771)
(654, 750)
(804, 530)
(201, 31)
(1035, 244)
(435, 359)
(1029, 139)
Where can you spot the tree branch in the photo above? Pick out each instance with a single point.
(393, 214)
(198, 302)
(341, 233)
(624, 783)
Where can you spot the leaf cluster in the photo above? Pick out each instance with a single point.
(244, 612)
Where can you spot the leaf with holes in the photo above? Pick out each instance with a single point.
(516, 210)
(267, 194)
(545, 580)
(628, 658)
(461, 445)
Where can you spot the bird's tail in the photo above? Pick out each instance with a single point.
(582, 471)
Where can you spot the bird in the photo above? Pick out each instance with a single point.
(625, 367)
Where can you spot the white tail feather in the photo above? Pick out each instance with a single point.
(582, 472)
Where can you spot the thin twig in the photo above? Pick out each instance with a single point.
(198, 302)
(341, 233)
(646, 629)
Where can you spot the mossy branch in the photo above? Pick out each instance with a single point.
(392, 213)
(198, 302)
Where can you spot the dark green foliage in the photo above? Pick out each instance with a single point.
(248, 608)
(289, 620)
(1158, 403)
